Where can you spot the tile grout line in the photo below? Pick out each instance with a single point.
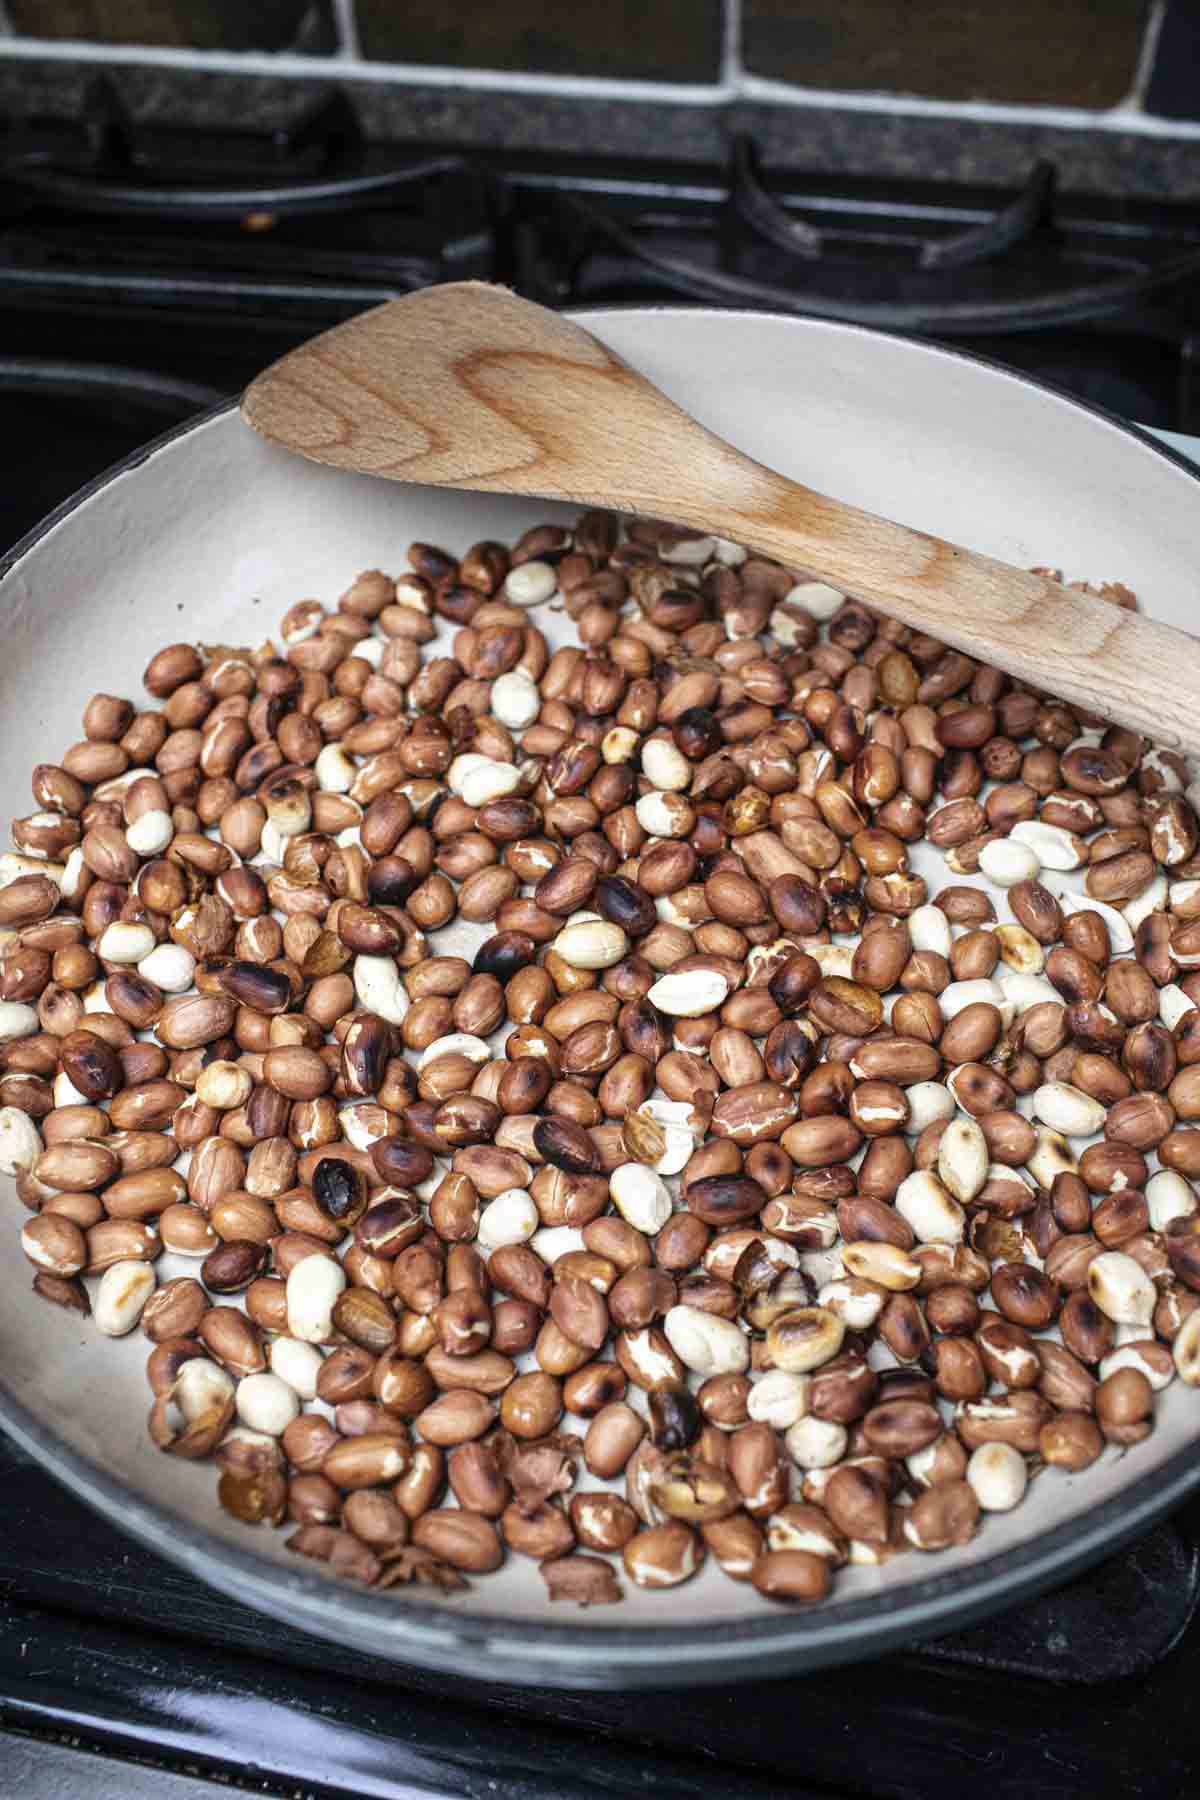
(1147, 53)
(734, 85)
(731, 43)
(345, 19)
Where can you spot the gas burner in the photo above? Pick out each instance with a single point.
(935, 262)
(322, 163)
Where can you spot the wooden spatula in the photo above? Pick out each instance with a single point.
(467, 386)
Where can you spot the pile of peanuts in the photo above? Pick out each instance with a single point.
(729, 1181)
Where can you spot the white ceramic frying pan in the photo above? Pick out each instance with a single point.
(210, 535)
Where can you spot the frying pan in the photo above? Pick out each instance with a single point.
(209, 535)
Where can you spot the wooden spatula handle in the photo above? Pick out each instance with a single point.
(468, 386)
(1088, 650)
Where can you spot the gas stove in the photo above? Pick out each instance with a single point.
(147, 274)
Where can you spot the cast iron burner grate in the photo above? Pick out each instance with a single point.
(256, 240)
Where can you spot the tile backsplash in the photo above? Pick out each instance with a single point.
(306, 26)
(977, 88)
(1020, 52)
(1077, 53)
(654, 40)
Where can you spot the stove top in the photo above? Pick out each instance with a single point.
(143, 276)
(203, 255)
(112, 1661)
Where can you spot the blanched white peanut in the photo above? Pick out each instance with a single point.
(20, 1140)
(266, 1403)
(1120, 936)
(272, 841)
(640, 1196)
(122, 1294)
(200, 1387)
(591, 944)
(690, 552)
(65, 1091)
(122, 942)
(1185, 1348)
(1151, 899)
(929, 929)
(779, 1398)
(70, 883)
(664, 766)
(970, 993)
(1051, 1157)
(664, 815)
(857, 1307)
(554, 1241)
(496, 779)
(1054, 847)
(935, 1216)
(1006, 862)
(1173, 1005)
(1183, 896)
(928, 1101)
(885, 1265)
(151, 833)
(817, 598)
(1020, 992)
(379, 989)
(1168, 1196)
(334, 769)
(516, 701)
(456, 1043)
(16, 1021)
(619, 744)
(530, 583)
(1068, 1109)
(296, 1363)
(1121, 1288)
(920, 1464)
(170, 967)
(462, 766)
(363, 1124)
(689, 995)
(511, 1218)
(13, 866)
(816, 1443)
(223, 1085)
(1131, 1356)
(1020, 950)
(705, 1343)
(998, 1475)
(673, 1117)
(312, 1289)
(963, 1159)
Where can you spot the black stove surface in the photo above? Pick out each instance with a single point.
(106, 1650)
(143, 275)
(202, 255)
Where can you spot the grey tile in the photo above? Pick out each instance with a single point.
(1068, 52)
(665, 40)
(303, 25)
(1174, 87)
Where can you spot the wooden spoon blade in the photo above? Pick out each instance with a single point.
(467, 385)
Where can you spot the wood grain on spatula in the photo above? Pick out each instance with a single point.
(468, 386)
